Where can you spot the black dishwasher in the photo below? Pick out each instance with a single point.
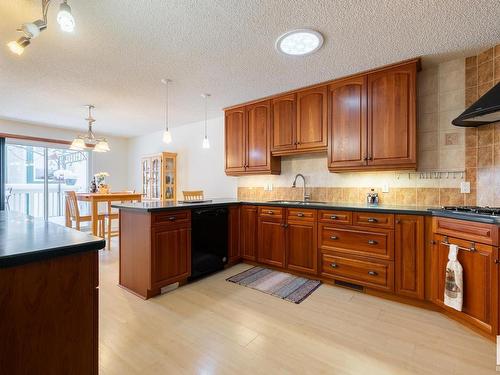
(208, 240)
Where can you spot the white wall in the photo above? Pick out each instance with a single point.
(197, 168)
(114, 162)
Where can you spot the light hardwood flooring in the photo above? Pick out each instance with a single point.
(216, 327)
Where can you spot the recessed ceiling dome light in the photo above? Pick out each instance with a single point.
(299, 42)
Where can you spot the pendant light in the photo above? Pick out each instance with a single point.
(206, 142)
(167, 136)
(81, 141)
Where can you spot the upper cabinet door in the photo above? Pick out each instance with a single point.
(392, 117)
(312, 119)
(235, 129)
(284, 123)
(347, 123)
(259, 136)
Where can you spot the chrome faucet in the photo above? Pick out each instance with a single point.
(305, 197)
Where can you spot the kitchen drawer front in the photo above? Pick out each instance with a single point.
(299, 214)
(468, 230)
(171, 217)
(373, 274)
(276, 212)
(335, 217)
(373, 219)
(378, 244)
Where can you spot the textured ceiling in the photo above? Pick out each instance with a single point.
(122, 48)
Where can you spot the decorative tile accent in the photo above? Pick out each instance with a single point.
(485, 72)
(485, 56)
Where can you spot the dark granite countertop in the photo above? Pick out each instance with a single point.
(156, 206)
(153, 206)
(24, 239)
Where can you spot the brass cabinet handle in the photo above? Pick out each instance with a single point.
(372, 273)
(334, 217)
(334, 238)
(372, 242)
(334, 265)
(372, 220)
(300, 214)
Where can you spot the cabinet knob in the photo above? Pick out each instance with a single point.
(171, 218)
(270, 212)
(398, 221)
(372, 242)
(334, 217)
(300, 214)
(334, 265)
(372, 273)
(433, 242)
(370, 157)
(372, 220)
(334, 238)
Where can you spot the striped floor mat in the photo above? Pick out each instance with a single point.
(279, 284)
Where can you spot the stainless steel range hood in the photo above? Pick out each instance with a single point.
(485, 111)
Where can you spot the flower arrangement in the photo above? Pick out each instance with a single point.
(100, 179)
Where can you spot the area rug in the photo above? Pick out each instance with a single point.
(279, 284)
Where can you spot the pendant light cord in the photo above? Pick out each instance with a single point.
(206, 98)
(166, 104)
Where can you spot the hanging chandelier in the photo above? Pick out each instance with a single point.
(81, 142)
(31, 30)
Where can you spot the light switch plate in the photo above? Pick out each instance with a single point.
(385, 188)
(465, 187)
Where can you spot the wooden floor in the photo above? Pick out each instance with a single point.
(216, 327)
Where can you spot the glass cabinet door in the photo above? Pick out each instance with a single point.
(146, 175)
(155, 178)
(169, 177)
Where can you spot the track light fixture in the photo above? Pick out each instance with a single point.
(31, 30)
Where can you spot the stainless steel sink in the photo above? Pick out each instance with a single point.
(297, 202)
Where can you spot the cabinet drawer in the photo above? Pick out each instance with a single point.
(271, 212)
(171, 217)
(468, 230)
(373, 274)
(357, 242)
(301, 214)
(373, 219)
(335, 217)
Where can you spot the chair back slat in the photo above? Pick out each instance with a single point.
(194, 195)
(72, 203)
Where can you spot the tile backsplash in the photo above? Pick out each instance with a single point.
(444, 91)
(482, 152)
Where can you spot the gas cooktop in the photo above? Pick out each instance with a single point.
(476, 213)
(493, 211)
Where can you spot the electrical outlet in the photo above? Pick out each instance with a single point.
(385, 188)
(465, 187)
(270, 187)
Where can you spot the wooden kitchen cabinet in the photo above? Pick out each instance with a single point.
(312, 124)
(171, 254)
(284, 127)
(392, 117)
(233, 242)
(155, 250)
(480, 281)
(248, 233)
(271, 235)
(235, 140)
(301, 241)
(248, 140)
(409, 256)
(347, 118)
(372, 120)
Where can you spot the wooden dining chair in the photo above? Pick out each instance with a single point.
(110, 216)
(194, 195)
(73, 214)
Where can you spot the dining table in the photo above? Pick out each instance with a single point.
(95, 198)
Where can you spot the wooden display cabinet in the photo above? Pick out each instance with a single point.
(159, 177)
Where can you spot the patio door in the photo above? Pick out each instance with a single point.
(39, 174)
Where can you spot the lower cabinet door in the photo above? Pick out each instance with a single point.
(480, 281)
(171, 251)
(271, 242)
(410, 256)
(301, 245)
(248, 232)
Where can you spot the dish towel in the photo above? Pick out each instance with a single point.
(454, 285)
